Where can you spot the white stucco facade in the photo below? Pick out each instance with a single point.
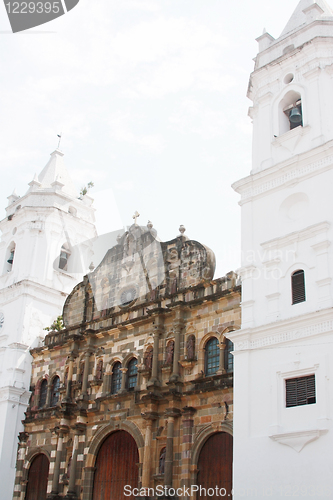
(287, 226)
(33, 288)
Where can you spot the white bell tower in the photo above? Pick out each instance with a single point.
(40, 263)
(283, 370)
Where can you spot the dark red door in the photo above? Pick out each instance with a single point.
(37, 478)
(215, 466)
(116, 467)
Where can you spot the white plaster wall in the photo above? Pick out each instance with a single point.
(287, 224)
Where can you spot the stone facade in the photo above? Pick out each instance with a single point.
(149, 305)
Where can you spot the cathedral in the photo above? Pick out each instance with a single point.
(159, 380)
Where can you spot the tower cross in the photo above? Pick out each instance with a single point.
(135, 216)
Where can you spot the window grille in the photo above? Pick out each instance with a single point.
(132, 373)
(212, 356)
(298, 287)
(300, 391)
(116, 378)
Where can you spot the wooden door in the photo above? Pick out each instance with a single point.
(116, 466)
(37, 478)
(215, 466)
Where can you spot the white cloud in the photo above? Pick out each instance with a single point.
(195, 117)
(121, 130)
(126, 186)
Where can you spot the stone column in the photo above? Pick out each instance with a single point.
(169, 453)
(69, 378)
(71, 493)
(85, 374)
(48, 395)
(72, 478)
(19, 487)
(221, 369)
(56, 470)
(147, 453)
(171, 414)
(123, 380)
(107, 383)
(178, 325)
(186, 446)
(154, 372)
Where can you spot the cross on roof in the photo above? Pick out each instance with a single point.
(135, 216)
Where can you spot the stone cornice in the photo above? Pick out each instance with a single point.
(281, 332)
(292, 171)
(303, 234)
(30, 288)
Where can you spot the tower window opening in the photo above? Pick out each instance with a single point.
(294, 114)
(64, 257)
(298, 287)
(10, 254)
(290, 112)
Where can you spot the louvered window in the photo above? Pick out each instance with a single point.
(298, 286)
(300, 391)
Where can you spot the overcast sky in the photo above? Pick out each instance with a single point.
(150, 96)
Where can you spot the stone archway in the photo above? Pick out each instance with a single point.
(215, 467)
(37, 478)
(116, 466)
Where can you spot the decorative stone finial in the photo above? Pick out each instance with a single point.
(91, 267)
(182, 229)
(149, 225)
(118, 238)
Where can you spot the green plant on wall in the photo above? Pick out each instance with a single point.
(57, 325)
(85, 189)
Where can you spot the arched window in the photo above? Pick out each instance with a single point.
(212, 356)
(65, 254)
(132, 373)
(298, 286)
(228, 357)
(116, 378)
(43, 393)
(55, 391)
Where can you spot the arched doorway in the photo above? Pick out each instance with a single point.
(37, 478)
(116, 466)
(215, 466)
